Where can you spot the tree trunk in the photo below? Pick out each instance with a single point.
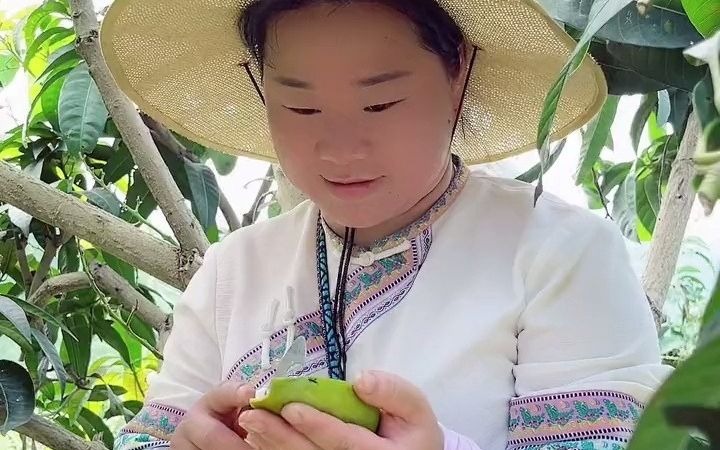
(135, 134)
(672, 220)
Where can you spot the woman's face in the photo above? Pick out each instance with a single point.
(360, 113)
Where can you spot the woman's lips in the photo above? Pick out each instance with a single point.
(351, 188)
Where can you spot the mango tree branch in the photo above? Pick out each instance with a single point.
(250, 216)
(163, 136)
(115, 286)
(61, 284)
(54, 436)
(52, 244)
(672, 220)
(135, 134)
(149, 254)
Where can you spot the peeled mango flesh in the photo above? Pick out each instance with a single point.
(334, 397)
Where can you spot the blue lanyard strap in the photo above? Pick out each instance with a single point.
(332, 340)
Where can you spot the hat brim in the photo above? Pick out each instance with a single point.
(182, 63)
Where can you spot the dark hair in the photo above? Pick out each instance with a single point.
(437, 31)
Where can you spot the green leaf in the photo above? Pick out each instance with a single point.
(614, 176)
(663, 112)
(51, 352)
(704, 14)
(120, 164)
(39, 14)
(711, 319)
(15, 314)
(82, 113)
(138, 327)
(139, 194)
(595, 138)
(9, 66)
(17, 396)
(274, 209)
(33, 310)
(693, 383)
(706, 52)
(680, 102)
(624, 209)
(125, 270)
(104, 199)
(45, 36)
(528, 177)
(117, 405)
(57, 78)
(133, 405)
(655, 131)
(648, 200)
(78, 349)
(100, 394)
(66, 60)
(9, 330)
(632, 69)
(703, 102)
(108, 334)
(96, 426)
(223, 162)
(49, 102)
(75, 403)
(205, 192)
(68, 257)
(659, 27)
(600, 13)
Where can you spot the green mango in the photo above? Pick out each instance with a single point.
(334, 397)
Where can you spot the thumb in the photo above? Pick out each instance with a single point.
(395, 396)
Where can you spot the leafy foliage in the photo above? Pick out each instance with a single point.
(688, 402)
(84, 359)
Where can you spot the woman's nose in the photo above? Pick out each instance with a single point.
(342, 142)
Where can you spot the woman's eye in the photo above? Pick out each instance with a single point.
(304, 111)
(382, 106)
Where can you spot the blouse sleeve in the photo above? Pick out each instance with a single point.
(191, 366)
(588, 353)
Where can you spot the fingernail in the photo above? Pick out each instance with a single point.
(366, 382)
(293, 413)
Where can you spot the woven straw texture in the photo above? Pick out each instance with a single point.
(181, 62)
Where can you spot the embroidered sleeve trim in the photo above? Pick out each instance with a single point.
(595, 444)
(135, 441)
(155, 420)
(537, 421)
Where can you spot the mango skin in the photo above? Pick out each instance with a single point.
(334, 397)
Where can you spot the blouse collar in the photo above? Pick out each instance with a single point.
(399, 241)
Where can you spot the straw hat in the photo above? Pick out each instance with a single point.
(182, 62)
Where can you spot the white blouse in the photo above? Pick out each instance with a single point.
(525, 326)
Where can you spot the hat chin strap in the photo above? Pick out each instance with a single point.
(462, 98)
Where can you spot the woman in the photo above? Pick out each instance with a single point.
(513, 325)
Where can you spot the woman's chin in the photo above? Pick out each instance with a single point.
(352, 217)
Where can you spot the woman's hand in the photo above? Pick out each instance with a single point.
(211, 423)
(407, 422)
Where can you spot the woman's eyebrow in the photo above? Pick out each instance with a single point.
(383, 78)
(364, 82)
